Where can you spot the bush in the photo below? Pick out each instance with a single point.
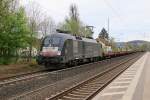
(4, 60)
(8, 60)
(33, 62)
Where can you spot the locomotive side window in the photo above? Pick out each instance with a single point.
(75, 46)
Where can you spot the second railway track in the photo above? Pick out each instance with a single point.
(88, 89)
(32, 75)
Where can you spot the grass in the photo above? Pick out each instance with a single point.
(18, 68)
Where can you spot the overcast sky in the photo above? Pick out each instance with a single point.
(129, 19)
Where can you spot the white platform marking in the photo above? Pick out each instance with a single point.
(125, 78)
(129, 76)
(122, 82)
(117, 87)
(113, 93)
(132, 87)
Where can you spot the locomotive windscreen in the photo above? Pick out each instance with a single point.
(52, 46)
(52, 41)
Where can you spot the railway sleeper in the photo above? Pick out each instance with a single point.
(80, 93)
(71, 98)
(76, 95)
(86, 89)
(92, 86)
(94, 83)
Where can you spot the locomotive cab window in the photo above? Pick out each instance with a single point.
(56, 41)
(53, 42)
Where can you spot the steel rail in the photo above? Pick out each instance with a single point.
(80, 91)
(32, 75)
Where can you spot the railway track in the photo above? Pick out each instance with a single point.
(88, 89)
(32, 75)
(23, 90)
(21, 77)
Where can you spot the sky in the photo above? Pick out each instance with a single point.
(128, 19)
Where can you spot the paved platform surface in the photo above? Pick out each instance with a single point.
(133, 84)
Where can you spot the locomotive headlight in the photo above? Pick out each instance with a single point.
(51, 50)
(47, 49)
(59, 53)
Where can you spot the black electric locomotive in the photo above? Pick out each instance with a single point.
(62, 48)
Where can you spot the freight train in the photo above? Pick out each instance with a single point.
(65, 49)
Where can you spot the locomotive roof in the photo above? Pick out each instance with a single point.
(62, 35)
(65, 36)
(89, 40)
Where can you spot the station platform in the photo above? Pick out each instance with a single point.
(132, 84)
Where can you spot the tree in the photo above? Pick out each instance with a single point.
(13, 30)
(145, 46)
(86, 32)
(34, 17)
(74, 15)
(47, 26)
(74, 24)
(104, 34)
(113, 44)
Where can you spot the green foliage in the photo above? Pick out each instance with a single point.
(74, 25)
(143, 46)
(71, 25)
(113, 45)
(13, 31)
(85, 31)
